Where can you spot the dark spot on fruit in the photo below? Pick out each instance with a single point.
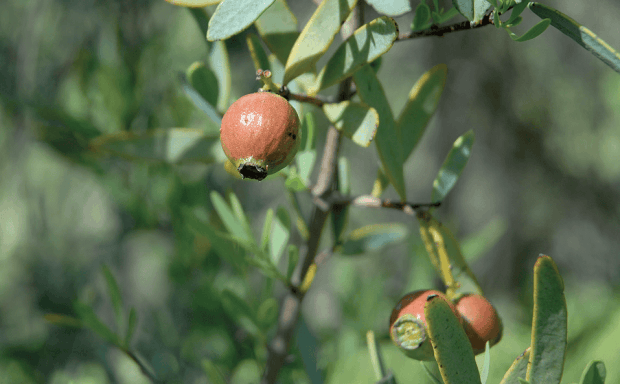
(292, 135)
(252, 171)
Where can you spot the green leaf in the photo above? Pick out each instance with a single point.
(533, 32)
(174, 145)
(420, 107)
(595, 373)
(200, 102)
(582, 35)
(279, 235)
(218, 62)
(380, 184)
(293, 257)
(259, 57)
(267, 313)
(234, 16)
(224, 244)
(316, 37)
(473, 10)
(237, 209)
(486, 366)
(131, 326)
(523, 381)
(344, 182)
(264, 242)
(201, 17)
(421, 18)
(231, 221)
(239, 310)
(115, 296)
(63, 320)
(440, 18)
(204, 82)
(388, 137)
(516, 12)
(372, 238)
(90, 320)
(451, 346)
(478, 244)
(390, 7)
(357, 121)
(212, 371)
(193, 3)
(452, 166)
(278, 28)
(518, 369)
(548, 324)
(366, 44)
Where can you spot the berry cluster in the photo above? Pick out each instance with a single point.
(408, 327)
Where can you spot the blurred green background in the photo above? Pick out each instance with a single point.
(544, 177)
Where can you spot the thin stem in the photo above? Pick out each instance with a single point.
(291, 305)
(145, 370)
(369, 201)
(434, 30)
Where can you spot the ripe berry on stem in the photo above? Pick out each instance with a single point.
(260, 134)
(408, 329)
(481, 321)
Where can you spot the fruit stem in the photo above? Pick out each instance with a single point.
(265, 77)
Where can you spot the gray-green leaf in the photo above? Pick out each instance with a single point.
(582, 35)
(452, 167)
(366, 44)
(233, 16)
(357, 121)
(390, 7)
(473, 10)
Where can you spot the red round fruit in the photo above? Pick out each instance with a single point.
(481, 321)
(408, 328)
(260, 134)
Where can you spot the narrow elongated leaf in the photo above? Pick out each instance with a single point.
(420, 107)
(237, 209)
(484, 373)
(233, 16)
(264, 243)
(452, 349)
(293, 257)
(358, 122)
(222, 243)
(213, 372)
(518, 369)
(390, 7)
(594, 373)
(90, 320)
(440, 18)
(317, 36)
(372, 238)
(279, 235)
(193, 3)
(582, 35)
(388, 138)
(516, 12)
(132, 321)
(204, 82)
(175, 145)
(452, 166)
(365, 45)
(278, 28)
(549, 326)
(200, 102)
(115, 296)
(230, 220)
(259, 57)
(239, 310)
(267, 313)
(201, 17)
(533, 32)
(63, 320)
(218, 62)
(380, 184)
(473, 10)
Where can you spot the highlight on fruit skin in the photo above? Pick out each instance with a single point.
(480, 321)
(408, 329)
(260, 134)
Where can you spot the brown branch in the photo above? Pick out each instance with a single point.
(369, 201)
(435, 30)
(291, 305)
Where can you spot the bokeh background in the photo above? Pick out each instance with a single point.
(544, 177)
